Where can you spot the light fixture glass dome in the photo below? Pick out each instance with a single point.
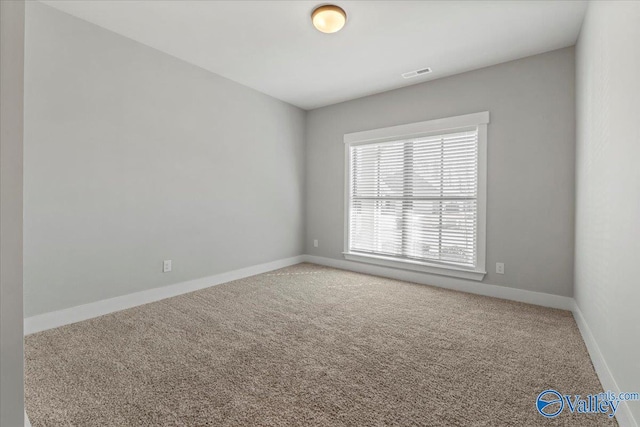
(329, 18)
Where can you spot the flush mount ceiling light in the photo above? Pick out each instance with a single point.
(328, 18)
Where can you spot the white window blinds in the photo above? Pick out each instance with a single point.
(416, 199)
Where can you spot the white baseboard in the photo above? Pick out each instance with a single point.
(79, 313)
(87, 311)
(473, 287)
(623, 415)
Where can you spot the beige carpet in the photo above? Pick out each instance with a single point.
(305, 346)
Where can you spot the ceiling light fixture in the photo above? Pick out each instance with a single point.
(328, 18)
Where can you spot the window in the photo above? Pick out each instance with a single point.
(416, 196)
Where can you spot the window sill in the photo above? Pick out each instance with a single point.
(422, 267)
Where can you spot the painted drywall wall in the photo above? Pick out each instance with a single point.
(133, 157)
(11, 152)
(531, 145)
(607, 286)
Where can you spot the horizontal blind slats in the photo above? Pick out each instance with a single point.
(467, 146)
(403, 198)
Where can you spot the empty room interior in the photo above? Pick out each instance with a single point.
(297, 213)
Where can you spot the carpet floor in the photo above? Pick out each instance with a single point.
(310, 346)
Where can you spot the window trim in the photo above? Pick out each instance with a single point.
(477, 121)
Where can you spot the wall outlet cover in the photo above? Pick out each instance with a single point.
(166, 266)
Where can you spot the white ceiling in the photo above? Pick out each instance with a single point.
(272, 47)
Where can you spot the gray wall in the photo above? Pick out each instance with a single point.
(607, 284)
(133, 156)
(531, 142)
(11, 131)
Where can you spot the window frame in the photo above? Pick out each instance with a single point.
(410, 131)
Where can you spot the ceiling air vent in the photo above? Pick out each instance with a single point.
(416, 73)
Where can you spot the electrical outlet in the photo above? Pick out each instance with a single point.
(315, 243)
(166, 267)
(500, 267)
